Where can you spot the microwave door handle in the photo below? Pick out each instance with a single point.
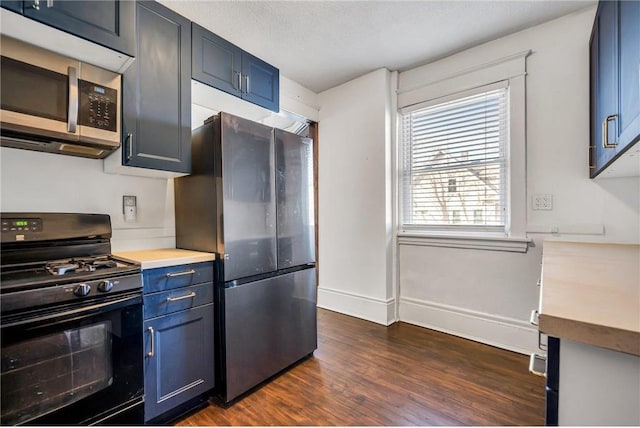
(73, 99)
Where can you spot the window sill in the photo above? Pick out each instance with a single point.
(492, 243)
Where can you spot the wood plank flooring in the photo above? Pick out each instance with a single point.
(366, 374)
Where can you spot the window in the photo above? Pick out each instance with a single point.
(454, 162)
(452, 185)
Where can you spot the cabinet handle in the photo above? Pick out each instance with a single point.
(533, 319)
(186, 272)
(36, 5)
(49, 3)
(72, 122)
(188, 296)
(532, 364)
(605, 132)
(246, 86)
(238, 79)
(151, 352)
(129, 143)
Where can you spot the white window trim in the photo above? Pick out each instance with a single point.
(512, 70)
(480, 242)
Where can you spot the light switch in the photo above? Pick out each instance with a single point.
(130, 208)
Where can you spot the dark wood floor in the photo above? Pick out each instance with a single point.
(365, 374)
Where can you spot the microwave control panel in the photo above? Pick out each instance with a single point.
(98, 106)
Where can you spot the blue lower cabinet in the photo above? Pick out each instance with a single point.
(552, 388)
(179, 363)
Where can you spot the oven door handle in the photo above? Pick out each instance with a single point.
(63, 316)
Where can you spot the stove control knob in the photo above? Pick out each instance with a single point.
(105, 286)
(82, 290)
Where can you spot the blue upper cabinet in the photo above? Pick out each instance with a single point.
(15, 6)
(629, 71)
(157, 92)
(215, 61)
(222, 65)
(261, 82)
(107, 23)
(615, 82)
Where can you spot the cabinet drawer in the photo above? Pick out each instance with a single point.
(167, 278)
(177, 299)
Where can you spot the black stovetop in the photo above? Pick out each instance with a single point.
(30, 276)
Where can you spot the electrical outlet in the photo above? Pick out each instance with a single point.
(543, 201)
(130, 208)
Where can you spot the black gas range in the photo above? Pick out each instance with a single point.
(71, 323)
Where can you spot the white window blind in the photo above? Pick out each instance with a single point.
(454, 161)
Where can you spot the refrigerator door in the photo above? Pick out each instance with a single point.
(294, 186)
(249, 202)
(268, 325)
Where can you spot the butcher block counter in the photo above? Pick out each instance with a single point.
(151, 259)
(591, 294)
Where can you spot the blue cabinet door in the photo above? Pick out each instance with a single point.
(215, 61)
(604, 75)
(261, 83)
(107, 23)
(629, 77)
(179, 362)
(157, 92)
(615, 82)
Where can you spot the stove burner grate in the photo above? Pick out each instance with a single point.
(59, 268)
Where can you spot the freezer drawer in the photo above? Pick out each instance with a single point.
(268, 325)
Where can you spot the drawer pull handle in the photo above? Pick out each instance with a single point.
(186, 272)
(151, 352)
(532, 365)
(188, 296)
(533, 319)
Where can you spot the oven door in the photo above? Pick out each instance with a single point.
(73, 365)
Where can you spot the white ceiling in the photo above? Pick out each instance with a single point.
(321, 44)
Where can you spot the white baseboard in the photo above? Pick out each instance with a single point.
(357, 305)
(502, 332)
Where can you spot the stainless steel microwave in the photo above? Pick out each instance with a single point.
(55, 104)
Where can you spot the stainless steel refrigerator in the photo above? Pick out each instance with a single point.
(249, 199)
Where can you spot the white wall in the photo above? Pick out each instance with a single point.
(35, 181)
(355, 229)
(488, 295)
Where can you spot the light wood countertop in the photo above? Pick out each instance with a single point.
(150, 259)
(591, 294)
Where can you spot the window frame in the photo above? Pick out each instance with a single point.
(416, 90)
(454, 226)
